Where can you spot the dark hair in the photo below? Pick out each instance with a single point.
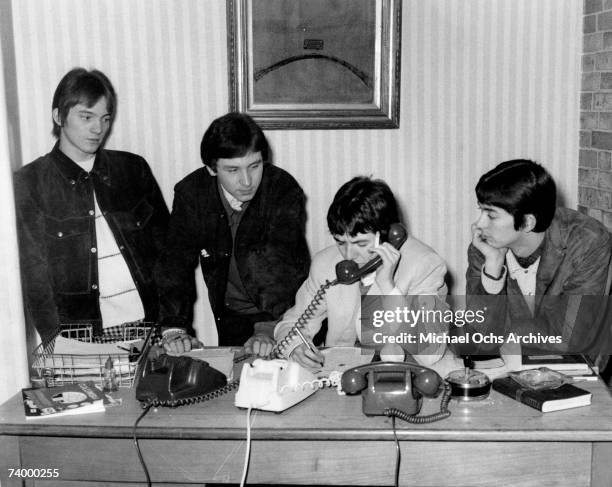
(520, 187)
(363, 205)
(232, 135)
(82, 86)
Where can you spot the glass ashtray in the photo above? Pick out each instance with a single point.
(541, 378)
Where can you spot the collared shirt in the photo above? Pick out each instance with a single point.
(236, 296)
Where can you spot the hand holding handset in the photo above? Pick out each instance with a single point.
(347, 272)
(396, 389)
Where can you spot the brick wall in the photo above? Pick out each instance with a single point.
(595, 161)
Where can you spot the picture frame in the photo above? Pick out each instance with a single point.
(315, 64)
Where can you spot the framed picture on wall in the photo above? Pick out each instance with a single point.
(315, 64)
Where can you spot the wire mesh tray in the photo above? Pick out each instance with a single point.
(54, 369)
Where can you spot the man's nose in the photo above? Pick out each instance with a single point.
(96, 126)
(481, 221)
(245, 178)
(350, 252)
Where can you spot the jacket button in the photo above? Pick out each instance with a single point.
(94, 250)
(226, 254)
(94, 286)
(121, 247)
(60, 234)
(73, 182)
(137, 224)
(91, 212)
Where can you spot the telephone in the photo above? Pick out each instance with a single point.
(173, 381)
(274, 385)
(347, 272)
(396, 389)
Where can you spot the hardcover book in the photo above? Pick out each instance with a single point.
(77, 398)
(565, 397)
(555, 362)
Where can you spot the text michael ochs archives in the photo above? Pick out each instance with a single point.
(383, 324)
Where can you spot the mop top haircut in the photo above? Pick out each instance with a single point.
(84, 87)
(230, 136)
(521, 187)
(363, 205)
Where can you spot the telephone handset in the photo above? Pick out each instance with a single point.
(174, 381)
(396, 389)
(347, 272)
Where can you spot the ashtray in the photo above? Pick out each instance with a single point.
(469, 385)
(541, 378)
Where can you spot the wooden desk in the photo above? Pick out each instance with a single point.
(324, 440)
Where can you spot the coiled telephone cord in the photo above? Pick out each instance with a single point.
(414, 419)
(301, 322)
(195, 399)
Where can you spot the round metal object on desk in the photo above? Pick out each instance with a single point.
(469, 385)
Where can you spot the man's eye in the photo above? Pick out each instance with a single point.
(231, 170)
(85, 117)
(341, 244)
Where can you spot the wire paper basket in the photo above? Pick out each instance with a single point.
(54, 369)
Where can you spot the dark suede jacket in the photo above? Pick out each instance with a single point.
(571, 284)
(271, 250)
(56, 229)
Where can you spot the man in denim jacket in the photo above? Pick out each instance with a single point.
(538, 271)
(90, 221)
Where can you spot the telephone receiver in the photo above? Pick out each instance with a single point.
(396, 389)
(173, 381)
(348, 272)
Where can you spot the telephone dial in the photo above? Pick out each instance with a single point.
(174, 381)
(347, 272)
(396, 389)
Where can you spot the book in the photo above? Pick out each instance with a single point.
(565, 397)
(556, 362)
(77, 398)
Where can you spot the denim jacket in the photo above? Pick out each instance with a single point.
(57, 239)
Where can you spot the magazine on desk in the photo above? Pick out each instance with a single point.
(77, 398)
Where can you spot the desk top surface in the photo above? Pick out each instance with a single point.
(327, 416)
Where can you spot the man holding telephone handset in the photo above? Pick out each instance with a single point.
(359, 218)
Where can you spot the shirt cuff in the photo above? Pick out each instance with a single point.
(493, 286)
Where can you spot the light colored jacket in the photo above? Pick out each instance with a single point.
(420, 272)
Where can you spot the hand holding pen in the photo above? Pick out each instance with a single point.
(308, 356)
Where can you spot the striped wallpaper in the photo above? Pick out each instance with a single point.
(482, 81)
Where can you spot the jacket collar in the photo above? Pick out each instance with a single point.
(555, 247)
(72, 172)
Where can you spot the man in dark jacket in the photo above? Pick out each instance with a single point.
(245, 220)
(90, 221)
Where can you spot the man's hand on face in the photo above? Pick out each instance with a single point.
(494, 257)
(390, 258)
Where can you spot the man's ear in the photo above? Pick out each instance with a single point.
(529, 222)
(56, 116)
(211, 171)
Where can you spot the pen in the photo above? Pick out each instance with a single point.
(306, 342)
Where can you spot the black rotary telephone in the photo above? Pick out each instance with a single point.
(347, 272)
(396, 389)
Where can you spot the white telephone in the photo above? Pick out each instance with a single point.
(274, 385)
